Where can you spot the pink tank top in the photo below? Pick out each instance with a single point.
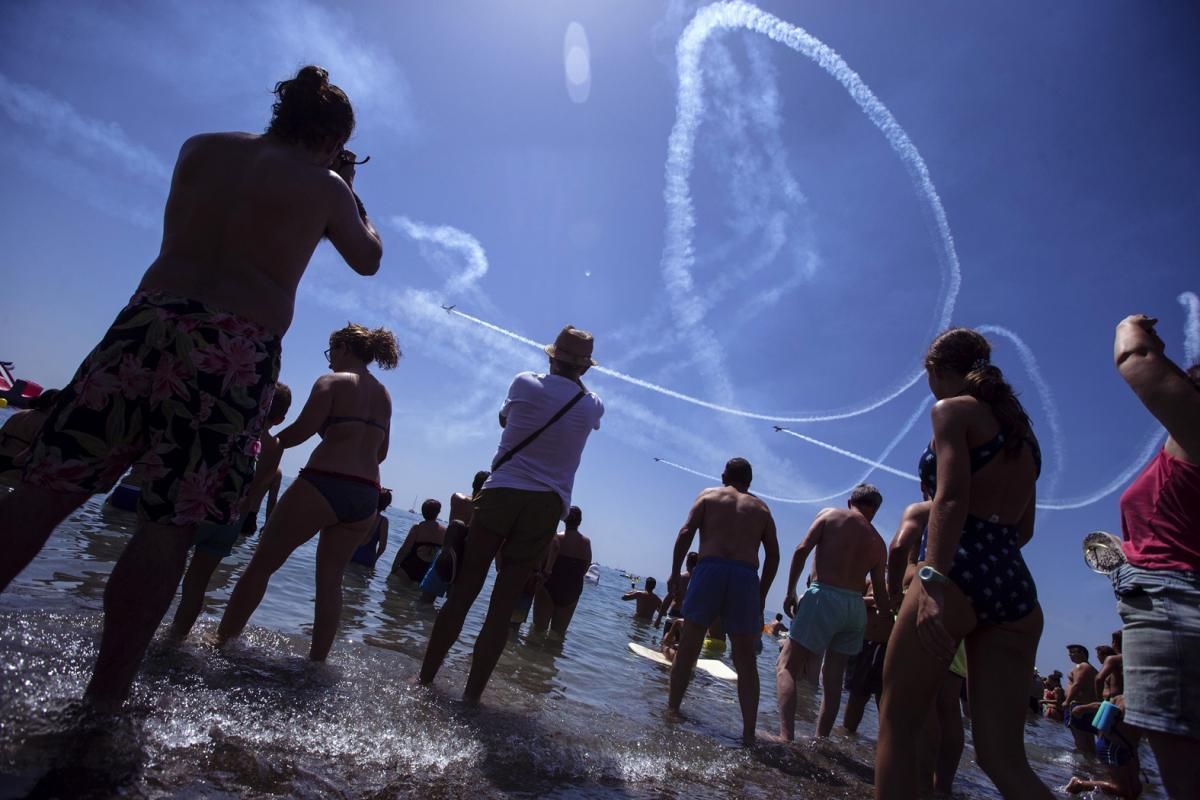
(1160, 515)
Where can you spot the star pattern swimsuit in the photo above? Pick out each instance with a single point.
(988, 566)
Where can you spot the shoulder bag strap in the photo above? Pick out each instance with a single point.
(503, 459)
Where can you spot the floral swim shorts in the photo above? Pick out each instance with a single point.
(176, 389)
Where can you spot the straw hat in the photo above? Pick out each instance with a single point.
(572, 346)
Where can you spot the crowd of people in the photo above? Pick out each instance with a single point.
(185, 385)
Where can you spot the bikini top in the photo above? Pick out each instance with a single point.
(981, 456)
(339, 420)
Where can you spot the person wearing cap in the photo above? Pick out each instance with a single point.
(546, 420)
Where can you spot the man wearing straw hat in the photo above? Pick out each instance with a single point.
(546, 421)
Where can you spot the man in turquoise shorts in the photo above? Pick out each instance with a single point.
(830, 618)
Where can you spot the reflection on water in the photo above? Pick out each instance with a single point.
(578, 718)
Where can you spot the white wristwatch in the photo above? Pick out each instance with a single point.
(928, 574)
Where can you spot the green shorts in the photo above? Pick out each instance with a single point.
(525, 520)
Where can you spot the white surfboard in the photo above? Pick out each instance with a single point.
(711, 666)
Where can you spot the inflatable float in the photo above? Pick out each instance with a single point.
(17, 392)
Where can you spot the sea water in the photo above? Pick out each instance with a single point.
(580, 718)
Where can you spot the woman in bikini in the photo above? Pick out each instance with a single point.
(983, 465)
(337, 493)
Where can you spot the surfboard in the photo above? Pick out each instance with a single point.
(711, 666)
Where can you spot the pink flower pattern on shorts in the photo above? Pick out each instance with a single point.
(148, 395)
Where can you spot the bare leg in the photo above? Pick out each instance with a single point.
(191, 598)
(793, 661)
(138, 593)
(298, 516)
(562, 618)
(911, 677)
(856, 704)
(334, 549)
(509, 585)
(28, 516)
(832, 673)
(481, 548)
(1178, 760)
(950, 724)
(746, 663)
(690, 642)
(999, 660)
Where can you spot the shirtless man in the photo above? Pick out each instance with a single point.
(1081, 689)
(647, 601)
(244, 214)
(776, 626)
(1110, 680)
(672, 602)
(831, 617)
(725, 583)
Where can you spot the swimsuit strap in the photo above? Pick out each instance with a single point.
(332, 420)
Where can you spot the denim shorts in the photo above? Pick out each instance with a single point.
(1160, 610)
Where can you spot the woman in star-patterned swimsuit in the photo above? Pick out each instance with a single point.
(974, 586)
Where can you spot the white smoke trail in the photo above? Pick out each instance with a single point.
(452, 239)
(687, 398)
(1051, 407)
(678, 254)
(1119, 482)
(1191, 328)
(874, 464)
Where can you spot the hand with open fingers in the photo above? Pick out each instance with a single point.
(931, 630)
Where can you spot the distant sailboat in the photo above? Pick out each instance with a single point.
(413, 508)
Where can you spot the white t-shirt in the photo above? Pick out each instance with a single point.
(548, 463)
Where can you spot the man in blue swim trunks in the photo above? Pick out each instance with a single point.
(725, 583)
(830, 618)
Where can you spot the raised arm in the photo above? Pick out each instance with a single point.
(316, 410)
(1164, 389)
(799, 557)
(349, 229)
(770, 566)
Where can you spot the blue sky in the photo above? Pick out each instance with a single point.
(768, 250)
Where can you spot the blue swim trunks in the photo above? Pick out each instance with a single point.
(830, 618)
(218, 540)
(721, 587)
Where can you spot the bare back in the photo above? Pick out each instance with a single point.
(461, 507)
(354, 447)
(847, 549)
(573, 544)
(242, 220)
(733, 524)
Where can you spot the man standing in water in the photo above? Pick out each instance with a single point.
(546, 421)
(831, 617)
(725, 583)
(647, 601)
(1081, 689)
(183, 380)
